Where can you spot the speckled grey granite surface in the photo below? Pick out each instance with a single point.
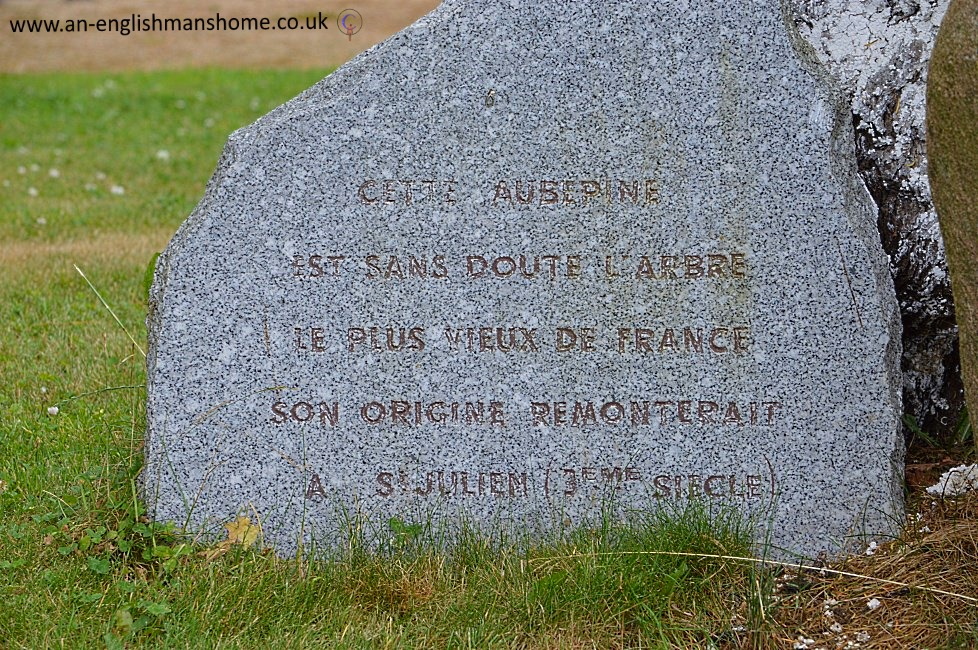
(525, 261)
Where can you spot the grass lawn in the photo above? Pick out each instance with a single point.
(98, 171)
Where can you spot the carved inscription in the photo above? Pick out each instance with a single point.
(660, 337)
(418, 413)
(522, 266)
(389, 338)
(709, 485)
(454, 483)
(646, 412)
(315, 490)
(569, 193)
(391, 266)
(322, 412)
(485, 339)
(389, 191)
(717, 340)
(562, 482)
(559, 414)
(570, 481)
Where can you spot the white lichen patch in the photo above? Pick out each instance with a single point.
(956, 481)
(878, 51)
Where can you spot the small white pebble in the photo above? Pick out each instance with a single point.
(836, 627)
(162, 154)
(871, 549)
(118, 190)
(21, 169)
(54, 173)
(862, 637)
(32, 191)
(44, 389)
(52, 410)
(874, 604)
(831, 602)
(41, 221)
(925, 529)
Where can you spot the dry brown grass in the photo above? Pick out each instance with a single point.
(114, 250)
(937, 551)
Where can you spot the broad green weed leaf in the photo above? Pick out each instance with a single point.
(112, 642)
(99, 565)
(122, 621)
(156, 609)
(89, 598)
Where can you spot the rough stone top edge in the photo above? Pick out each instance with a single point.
(237, 136)
(335, 85)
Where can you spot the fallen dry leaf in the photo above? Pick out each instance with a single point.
(242, 531)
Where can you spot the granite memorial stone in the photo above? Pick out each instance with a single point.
(524, 262)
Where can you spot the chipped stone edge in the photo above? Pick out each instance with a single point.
(859, 201)
(235, 150)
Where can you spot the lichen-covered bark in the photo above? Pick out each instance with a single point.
(952, 131)
(878, 50)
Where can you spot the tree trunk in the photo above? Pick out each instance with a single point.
(952, 145)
